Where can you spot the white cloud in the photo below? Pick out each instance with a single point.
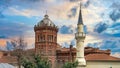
(117, 54)
(58, 14)
(65, 38)
(23, 12)
(92, 39)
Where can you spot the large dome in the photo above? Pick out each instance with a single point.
(46, 22)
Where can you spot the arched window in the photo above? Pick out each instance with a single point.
(55, 39)
(48, 37)
(51, 38)
(38, 38)
(43, 37)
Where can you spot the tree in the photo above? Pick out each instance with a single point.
(70, 65)
(38, 62)
(27, 64)
(18, 48)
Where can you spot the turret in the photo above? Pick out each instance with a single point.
(46, 39)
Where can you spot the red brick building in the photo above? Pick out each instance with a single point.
(46, 39)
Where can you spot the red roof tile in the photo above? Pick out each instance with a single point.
(101, 57)
(8, 59)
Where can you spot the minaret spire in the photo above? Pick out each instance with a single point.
(80, 37)
(80, 21)
(46, 12)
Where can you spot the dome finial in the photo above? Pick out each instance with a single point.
(46, 16)
(46, 12)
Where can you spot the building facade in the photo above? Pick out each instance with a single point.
(46, 39)
(87, 57)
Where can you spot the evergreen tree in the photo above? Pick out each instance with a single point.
(28, 64)
(70, 65)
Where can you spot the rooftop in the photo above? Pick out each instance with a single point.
(100, 57)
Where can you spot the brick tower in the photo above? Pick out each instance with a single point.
(46, 39)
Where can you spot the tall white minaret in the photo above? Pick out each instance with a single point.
(80, 37)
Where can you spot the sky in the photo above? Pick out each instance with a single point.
(101, 20)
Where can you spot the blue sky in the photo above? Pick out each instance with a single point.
(101, 19)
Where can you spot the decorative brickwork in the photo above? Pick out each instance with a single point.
(46, 39)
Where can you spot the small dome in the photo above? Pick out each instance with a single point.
(46, 22)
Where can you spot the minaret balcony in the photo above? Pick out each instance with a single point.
(80, 35)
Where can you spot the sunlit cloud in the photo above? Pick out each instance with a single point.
(2, 42)
(62, 13)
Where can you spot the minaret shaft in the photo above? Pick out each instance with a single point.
(80, 37)
(80, 28)
(80, 48)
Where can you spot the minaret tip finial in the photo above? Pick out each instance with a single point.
(46, 12)
(80, 5)
(80, 21)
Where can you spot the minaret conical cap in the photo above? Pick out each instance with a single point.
(80, 21)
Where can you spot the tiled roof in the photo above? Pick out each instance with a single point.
(92, 54)
(8, 59)
(66, 50)
(101, 57)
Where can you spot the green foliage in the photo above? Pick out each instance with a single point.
(70, 65)
(41, 63)
(38, 62)
(27, 64)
